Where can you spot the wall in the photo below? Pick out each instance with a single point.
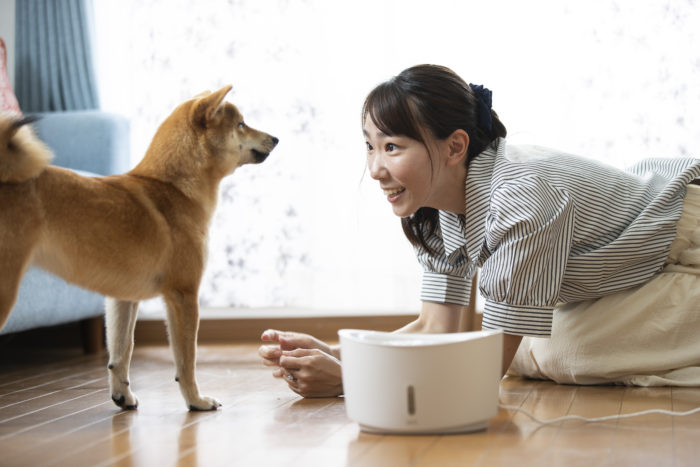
(7, 32)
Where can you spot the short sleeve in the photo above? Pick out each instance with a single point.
(446, 276)
(529, 231)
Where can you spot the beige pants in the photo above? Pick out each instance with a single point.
(646, 336)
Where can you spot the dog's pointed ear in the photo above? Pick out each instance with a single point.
(202, 94)
(206, 106)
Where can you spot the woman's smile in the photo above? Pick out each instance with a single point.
(394, 194)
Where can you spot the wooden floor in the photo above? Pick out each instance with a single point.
(55, 410)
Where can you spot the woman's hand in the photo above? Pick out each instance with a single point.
(290, 341)
(312, 372)
(309, 366)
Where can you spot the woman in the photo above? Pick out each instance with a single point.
(548, 230)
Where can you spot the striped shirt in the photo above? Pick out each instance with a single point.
(548, 228)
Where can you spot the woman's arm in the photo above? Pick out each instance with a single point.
(435, 318)
(444, 317)
(510, 346)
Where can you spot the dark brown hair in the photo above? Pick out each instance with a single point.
(436, 99)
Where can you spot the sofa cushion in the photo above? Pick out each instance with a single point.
(47, 300)
(8, 101)
(89, 140)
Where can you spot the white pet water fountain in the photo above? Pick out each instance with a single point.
(421, 383)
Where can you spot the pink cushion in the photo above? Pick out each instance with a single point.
(8, 101)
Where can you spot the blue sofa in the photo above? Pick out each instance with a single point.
(90, 142)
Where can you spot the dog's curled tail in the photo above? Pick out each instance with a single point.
(22, 154)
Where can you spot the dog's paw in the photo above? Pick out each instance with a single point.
(119, 388)
(204, 403)
(126, 402)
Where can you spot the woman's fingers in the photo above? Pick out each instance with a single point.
(270, 335)
(298, 359)
(270, 354)
(269, 351)
(293, 360)
(294, 340)
(289, 378)
(305, 364)
(287, 340)
(273, 335)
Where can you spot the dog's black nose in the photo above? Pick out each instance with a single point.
(275, 140)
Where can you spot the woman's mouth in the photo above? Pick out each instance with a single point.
(393, 194)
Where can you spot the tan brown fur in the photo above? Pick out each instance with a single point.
(18, 166)
(132, 236)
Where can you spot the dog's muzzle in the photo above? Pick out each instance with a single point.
(260, 156)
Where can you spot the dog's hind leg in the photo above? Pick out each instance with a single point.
(13, 270)
(20, 230)
(183, 324)
(120, 322)
(15, 254)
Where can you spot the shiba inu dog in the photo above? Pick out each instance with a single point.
(129, 237)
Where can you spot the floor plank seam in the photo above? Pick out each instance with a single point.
(50, 393)
(73, 375)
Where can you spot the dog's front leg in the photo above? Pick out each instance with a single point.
(120, 322)
(183, 324)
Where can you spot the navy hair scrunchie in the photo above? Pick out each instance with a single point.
(483, 97)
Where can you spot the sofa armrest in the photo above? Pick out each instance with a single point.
(88, 140)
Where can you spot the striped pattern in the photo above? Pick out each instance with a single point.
(55, 69)
(547, 228)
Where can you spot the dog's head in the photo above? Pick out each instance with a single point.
(221, 129)
(22, 155)
(203, 140)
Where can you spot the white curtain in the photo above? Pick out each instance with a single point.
(611, 80)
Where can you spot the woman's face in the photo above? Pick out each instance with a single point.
(403, 168)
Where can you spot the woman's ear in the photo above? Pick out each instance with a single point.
(457, 145)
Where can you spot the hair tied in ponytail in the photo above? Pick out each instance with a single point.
(483, 96)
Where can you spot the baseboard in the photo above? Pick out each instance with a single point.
(87, 334)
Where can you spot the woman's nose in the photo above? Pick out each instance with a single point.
(377, 170)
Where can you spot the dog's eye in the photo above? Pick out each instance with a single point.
(241, 125)
(11, 146)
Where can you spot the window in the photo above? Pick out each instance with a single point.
(612, 80)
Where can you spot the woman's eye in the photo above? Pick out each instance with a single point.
(369, 146)
(390, 147)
